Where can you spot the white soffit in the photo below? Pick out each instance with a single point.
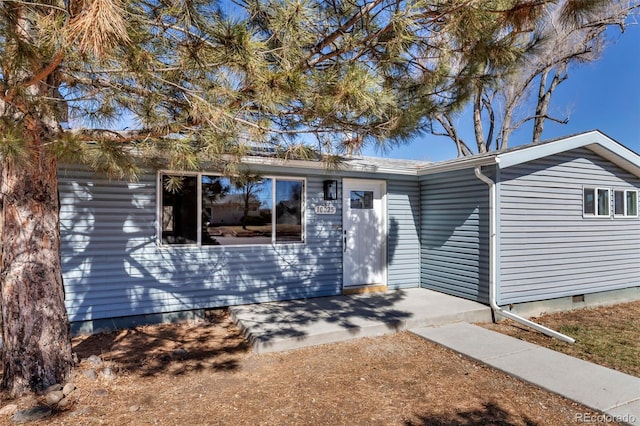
(620, 156)
(594, 140)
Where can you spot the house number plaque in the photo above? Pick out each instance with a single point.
(325, 209)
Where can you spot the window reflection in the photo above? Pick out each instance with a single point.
(288, 210)
(361, 199)
(232, 210)
(236, 210)
(179, 210)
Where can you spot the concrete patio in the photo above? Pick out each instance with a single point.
(279, 326)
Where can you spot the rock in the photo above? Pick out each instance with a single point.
(82, 411)
(68, 388)
(63, 402)
(94, 360)
(31, 415)
(8, 409)
(108, 374)
(53, 388)
(90, 374)
(180, 352)
(54, 397)
(134, 408)
(101, 392)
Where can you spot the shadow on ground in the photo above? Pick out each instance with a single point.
(212, 344)
(292, 319)
(490, 414)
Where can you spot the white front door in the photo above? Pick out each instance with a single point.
(364, 232)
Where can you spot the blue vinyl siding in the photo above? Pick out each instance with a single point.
(547, 249)
(438, 238)
(454, 234)
(112, 265)
(403, 242)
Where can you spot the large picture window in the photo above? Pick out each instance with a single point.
(625, 203)
(218, 210)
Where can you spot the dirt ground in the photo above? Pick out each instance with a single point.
(606, 335)
(204, 374)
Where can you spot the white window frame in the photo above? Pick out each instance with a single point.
(625, 207)
(198, 243)
(160, 207)
(596, 213)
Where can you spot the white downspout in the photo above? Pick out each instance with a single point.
(493, 284)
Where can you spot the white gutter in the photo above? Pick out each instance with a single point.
(493, 284)
(348, 164)
(458, 164)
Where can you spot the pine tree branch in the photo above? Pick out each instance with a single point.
(344, 28)
(44, 72)
(39, 5)
(36, 78)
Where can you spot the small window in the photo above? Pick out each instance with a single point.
(596, 202)
(361, 199)
(625, 203)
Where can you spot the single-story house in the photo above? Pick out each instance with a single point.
(546, 225)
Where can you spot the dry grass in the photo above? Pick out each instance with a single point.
(609, 335)
(203, 373)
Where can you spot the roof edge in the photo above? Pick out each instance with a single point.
(594, 140)
(459, 164)
(349, 164)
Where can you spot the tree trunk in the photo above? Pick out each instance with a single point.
(37, 345)
(477, 121)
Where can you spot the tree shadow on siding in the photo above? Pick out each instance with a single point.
(114, 270)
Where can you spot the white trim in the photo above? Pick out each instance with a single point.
(159, 190)
(384, 226)
(595, 214)
(199, 210)
(160, 211)
(625, 207)
(593, 140)
(620, 156)
(303, 207)
(198, 244)
(459, 163)
(348, 165)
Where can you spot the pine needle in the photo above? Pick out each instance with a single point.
(99, 27)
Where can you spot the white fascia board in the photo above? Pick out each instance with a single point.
(594, 140)
(620, 156)
(459, 164)
(534, 152)
(318, 165)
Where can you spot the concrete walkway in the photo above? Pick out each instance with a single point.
(443, 319)
(611, 392)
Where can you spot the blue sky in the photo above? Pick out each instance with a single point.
(603, 95)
